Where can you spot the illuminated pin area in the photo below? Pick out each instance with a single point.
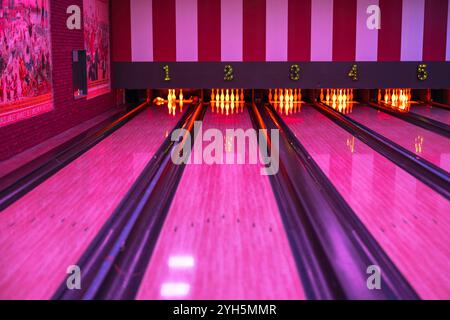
(399, 99)
(286, 101)
(338, 99)
(227, 101)
(172, 101)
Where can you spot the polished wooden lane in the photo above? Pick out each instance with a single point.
(50, 227)
(424, 143)
(223, 237)
(435, 113)
(407, 218)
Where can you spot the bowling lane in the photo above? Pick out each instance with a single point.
(431, 112)
(407, 218)
(50, 227)
(429, 145)
(223, 237)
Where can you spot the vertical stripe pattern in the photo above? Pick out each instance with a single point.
(413, 14)
(276, 30)
(120, 31)
(435, 30)
(448, 32)
(390, 34)
(231, 21)
(344, 30)
(366, 39)
(186, 30)
(254, 37)
(141, 30)
(164, 30)
(208, 30)
(322, 30)
(280, 30)
(299, 30)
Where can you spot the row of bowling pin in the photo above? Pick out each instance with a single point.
(287, 108)
(172, 98)
(285, 95)
(395, 96)
(343, 107)
(339, 96)
(227, 107)
(227, 95)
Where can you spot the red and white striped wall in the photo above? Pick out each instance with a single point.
(279, 30)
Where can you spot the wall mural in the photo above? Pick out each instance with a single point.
(25, 60)
(96, 39)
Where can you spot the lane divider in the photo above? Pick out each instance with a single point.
(17, 184)
(430, 174)
(331, 247)
(415, 119)
(115, 262)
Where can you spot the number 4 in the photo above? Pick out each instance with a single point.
(353, 73)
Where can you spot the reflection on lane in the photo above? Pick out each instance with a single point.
(433, 147)
(223, 237)
(52, 225)
(407, 218)
(435, 113)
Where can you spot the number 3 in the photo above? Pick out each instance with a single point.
(294, 72)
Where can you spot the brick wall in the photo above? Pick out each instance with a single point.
(67, 112)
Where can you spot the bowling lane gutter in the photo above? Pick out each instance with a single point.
(430, 174)
(332, 248)
(438, 105)
(18, 183)
(116, 260)
(415, 119)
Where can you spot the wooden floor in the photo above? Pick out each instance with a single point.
(431, 112)
(408, 219)
(11, 164)
(433, 147)
(223, 237)
(49, 228)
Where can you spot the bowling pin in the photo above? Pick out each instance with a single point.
(222, 96)
(232, 95)
(227, 96)
(270, 95)
(275, 97)
(299, 95)
(242, 96)
(327, 97)
(321, 95)
(181, 96)
(212, 95)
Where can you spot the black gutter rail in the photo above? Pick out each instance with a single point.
(416, 119)
(49, 165)
(115, 262)
(332, 248)
(430, 174)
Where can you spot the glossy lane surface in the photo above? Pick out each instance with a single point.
(223, 237)
(50, 227)
(408, 219)
(426, 144)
